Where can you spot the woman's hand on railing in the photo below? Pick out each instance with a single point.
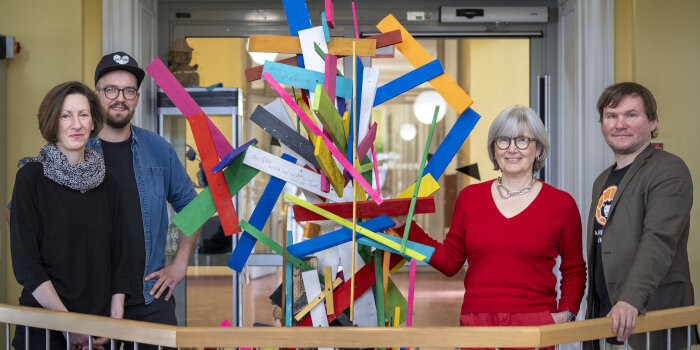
(80, 342)
(560, 317)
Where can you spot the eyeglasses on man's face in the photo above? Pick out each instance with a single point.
(111, 92)
(521, 142)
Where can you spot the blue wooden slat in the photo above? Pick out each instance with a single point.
(306, 79)
(337, 237)
(261, 213)
(298, 19)
(232, 156)
(451, 143)
(407, 82)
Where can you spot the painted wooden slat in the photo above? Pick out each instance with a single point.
(421, 168)
(364, 279)
(297, 14)
(312, 288)
(288, 272)
(268, 122)
(373, 235)
(370, 78)
(328, 115)
(367, 141)
(380, 286)
(202, 207)
(311, 230)
(346, 123)
(329, 289)
(276, 107)
(333, 174)
(291, 173)
(258, 218)
(324, 24)
(425, 250)
(185, 103)
(305, 79)
(411, 288)
(394, 298)
(255, 73)
(232, 156)
(451, 143)
(329, 76)
(385, 273)
(291, 45)
(386, 39)
(221, 144)
(316, 131)
(316, 300)
(367, 167)
(337, 237)
(217, 182)
(343, 47)
(305, 108)
(274, 246)
(330, 17)
(417, 56)
(309, 39)
(408, 81)
(298, 18)
(397, 318)
(428, 186)
(367, 209)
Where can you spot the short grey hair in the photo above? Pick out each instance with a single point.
(511, 122)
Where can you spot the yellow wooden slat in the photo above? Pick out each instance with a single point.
(291, 45)
(417, 56)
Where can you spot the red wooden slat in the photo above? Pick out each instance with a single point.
(367, 209)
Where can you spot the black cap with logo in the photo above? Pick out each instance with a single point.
(119, 61)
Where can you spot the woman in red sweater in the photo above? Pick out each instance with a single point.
(511, 230)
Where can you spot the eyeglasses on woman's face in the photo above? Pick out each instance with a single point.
(521, 142)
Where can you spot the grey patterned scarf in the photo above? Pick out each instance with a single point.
(82, 176)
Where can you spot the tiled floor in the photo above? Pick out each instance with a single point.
(437, 298)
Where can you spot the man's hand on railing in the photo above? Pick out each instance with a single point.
(624, 319)
(169, 276)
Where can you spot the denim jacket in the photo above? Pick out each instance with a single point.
(160, 177)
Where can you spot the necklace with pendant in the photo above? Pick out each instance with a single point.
(508, 193)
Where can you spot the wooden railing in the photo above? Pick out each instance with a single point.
(346, 337)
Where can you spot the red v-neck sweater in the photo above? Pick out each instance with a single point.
(511, 261)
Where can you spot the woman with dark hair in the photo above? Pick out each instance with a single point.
(511, 231)
(65, 226)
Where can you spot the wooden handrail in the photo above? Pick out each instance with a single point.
(346, 337)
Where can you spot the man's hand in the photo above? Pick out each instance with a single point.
(624, 319)
(169, 276)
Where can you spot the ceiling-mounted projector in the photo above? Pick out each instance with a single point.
(476, 14)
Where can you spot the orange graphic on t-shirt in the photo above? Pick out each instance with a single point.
(604, 202)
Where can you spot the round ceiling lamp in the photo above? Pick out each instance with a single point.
(424, 106)
(408, 132)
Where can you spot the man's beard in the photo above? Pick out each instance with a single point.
(119, 123)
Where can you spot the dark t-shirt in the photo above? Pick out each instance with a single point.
(119, 160)
(601, 216)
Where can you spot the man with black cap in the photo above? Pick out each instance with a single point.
(150, 174)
